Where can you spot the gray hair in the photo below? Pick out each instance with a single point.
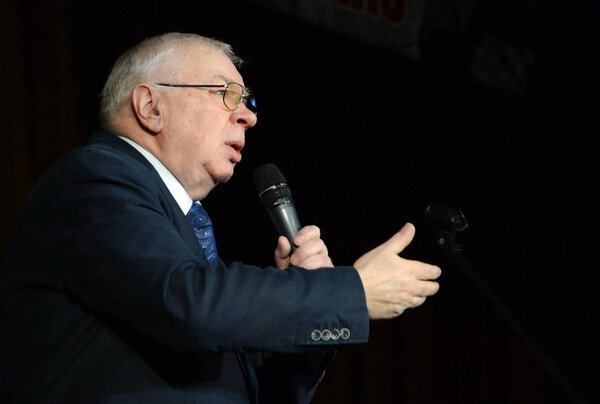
(138, 63)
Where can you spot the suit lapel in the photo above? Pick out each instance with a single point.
(113, 142)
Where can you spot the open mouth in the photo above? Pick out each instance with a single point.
(236, 146)
(237, 151)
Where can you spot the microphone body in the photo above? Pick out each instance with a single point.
(286, 221)
(276, 197)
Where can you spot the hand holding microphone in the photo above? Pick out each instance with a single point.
(296, 246)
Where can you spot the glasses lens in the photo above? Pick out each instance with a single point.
(233, 96)
(250, 103)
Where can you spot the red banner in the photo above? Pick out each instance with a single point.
(391, 24)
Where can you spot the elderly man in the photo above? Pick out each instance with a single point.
(109, 296)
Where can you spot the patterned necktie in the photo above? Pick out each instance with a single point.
(203, 229)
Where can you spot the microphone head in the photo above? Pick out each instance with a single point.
(271, 186)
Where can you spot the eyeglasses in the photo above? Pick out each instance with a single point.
(234, 94)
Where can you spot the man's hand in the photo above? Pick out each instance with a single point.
(393, 284)
(310, 254)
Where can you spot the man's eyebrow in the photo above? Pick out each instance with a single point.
(220, 76)
(228, 80)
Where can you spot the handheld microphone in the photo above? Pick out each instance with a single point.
(276, 197)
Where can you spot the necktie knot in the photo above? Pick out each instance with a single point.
(202, 226)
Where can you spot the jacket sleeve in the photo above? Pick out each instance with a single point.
(122, 255)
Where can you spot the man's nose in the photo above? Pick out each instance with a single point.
(243, 116)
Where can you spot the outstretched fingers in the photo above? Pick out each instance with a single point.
(427, 272)
(426, 288)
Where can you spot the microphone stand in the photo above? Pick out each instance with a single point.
(446, 222)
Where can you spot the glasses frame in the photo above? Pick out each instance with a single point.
(247, 99)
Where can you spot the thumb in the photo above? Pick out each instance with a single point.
(282, 253)
(400, 240)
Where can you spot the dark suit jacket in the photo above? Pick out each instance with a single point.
(107, 298)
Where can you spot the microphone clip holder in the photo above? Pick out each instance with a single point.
(445, 222)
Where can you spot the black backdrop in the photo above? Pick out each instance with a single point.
(366, 140)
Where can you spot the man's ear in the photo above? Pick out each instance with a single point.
(145, 102)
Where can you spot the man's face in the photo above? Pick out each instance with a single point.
(202, 139)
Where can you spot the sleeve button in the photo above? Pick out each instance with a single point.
(326, 335)
(345, 333)
(315, 335)
(335, 334)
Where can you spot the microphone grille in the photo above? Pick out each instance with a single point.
(271, 185)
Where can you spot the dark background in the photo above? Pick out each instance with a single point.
(367, 139)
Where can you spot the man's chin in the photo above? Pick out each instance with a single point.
(223, 175)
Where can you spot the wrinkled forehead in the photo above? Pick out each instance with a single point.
(200, 64)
